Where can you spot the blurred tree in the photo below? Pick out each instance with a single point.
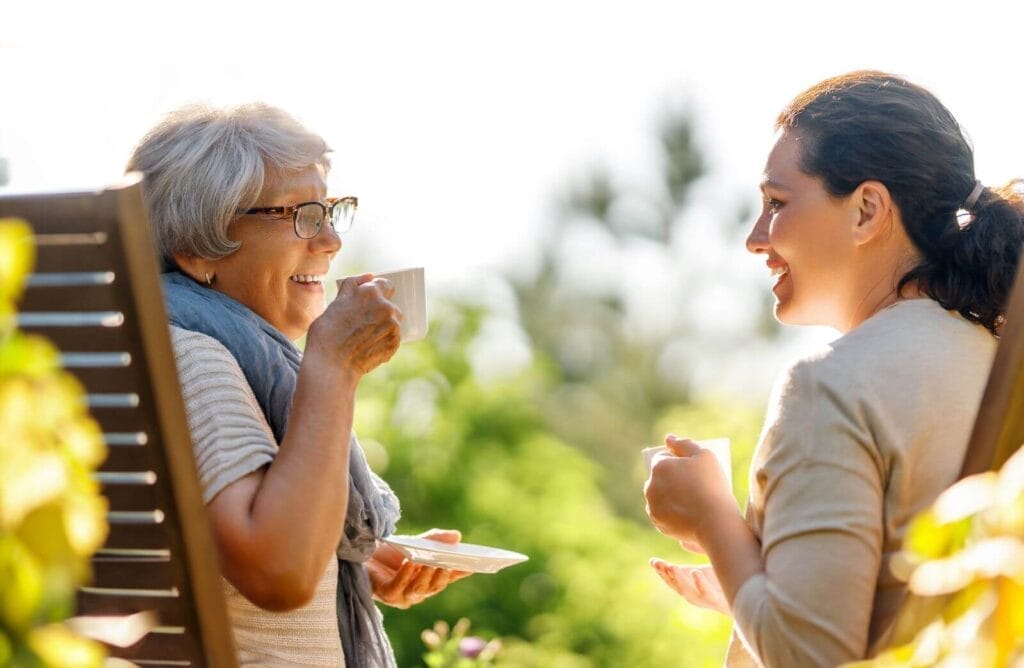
(481, 458)
(615, 377)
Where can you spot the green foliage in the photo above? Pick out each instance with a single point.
(613, 381)
(964, 559)
(52, 516)
(452, 648)
(482, 459)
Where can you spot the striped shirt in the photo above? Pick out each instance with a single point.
(231, 439)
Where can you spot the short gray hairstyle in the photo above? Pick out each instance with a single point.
(203, 165)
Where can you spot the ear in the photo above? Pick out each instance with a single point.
(875, 212)
(198, 268)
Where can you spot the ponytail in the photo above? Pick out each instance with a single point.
(970, 267)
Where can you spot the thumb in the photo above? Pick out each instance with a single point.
(681, 447)
(443, 535)
(348, 284)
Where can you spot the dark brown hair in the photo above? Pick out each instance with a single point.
(870, 125)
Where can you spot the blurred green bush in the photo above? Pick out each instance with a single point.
(480, 458)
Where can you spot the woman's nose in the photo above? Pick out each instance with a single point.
(757, 240)
(328, 240)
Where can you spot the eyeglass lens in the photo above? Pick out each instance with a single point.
(309, 218)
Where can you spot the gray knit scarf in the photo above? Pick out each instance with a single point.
(270, 363)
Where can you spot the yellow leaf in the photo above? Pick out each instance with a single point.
(27, 354)
(57, 646)
(1008, 620)
(1011, 476)
(28, 480)
(21, 585)
(84, 441)
(1001, 556)
(44, 533)
(17, 256)
(85, 520)
(966, 497)
(928, 538)
(940, 576)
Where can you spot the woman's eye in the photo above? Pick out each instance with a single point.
(772, 205)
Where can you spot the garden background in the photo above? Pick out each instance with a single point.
(577, 181)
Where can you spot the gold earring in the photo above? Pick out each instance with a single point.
(209, 280)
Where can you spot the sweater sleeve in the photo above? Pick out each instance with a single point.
(230, 435)
(822, 482)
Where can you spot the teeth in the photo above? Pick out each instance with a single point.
(308, 278)
(778, 271)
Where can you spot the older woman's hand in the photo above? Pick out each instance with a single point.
(401, 583)
(361, 327)
(686, 491)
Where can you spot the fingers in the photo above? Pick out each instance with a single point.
(450, 536)
(349, 284)
(411, 583)
(681, 447)
(386, 287)
(388, 556)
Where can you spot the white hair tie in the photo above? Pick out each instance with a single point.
(972, 199)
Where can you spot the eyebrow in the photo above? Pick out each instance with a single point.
(767, 183)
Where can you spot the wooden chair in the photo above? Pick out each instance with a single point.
(95, 293)
(998, 432)
(999, 427)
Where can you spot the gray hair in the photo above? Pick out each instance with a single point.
(203, 165)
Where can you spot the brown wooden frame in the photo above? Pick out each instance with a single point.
(999, 427)
(96, 294)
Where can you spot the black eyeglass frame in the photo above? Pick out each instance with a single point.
(327, 211)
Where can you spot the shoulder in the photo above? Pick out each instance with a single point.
(909, 342)
(195, 349)
(186, 341)
(205, 366)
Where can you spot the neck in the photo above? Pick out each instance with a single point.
(880, 292)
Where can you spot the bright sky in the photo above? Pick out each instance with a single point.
(456, 123)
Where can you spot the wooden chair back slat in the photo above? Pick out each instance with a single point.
(133, 572)
(86, 339)
(65, 296)
(95, 294)
(166, 603)
(130, 497)
(103, 380)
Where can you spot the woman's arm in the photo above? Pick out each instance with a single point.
(277, 527)
(803, 596)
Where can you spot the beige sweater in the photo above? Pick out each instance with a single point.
(231, 438)
(858, 439)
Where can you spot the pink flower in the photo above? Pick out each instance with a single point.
(471, 647)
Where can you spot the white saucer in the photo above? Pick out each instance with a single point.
(458, 556)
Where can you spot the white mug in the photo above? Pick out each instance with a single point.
(411, 299)
(719, 446)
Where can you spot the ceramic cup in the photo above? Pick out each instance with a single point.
(411, 298)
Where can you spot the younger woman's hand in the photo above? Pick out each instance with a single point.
(401, 583)
(686, 491)
(697, 584)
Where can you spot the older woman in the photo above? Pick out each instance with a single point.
(239, 208)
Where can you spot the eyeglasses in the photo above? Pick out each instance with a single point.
(308, 217)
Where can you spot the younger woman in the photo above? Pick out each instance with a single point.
(873, 223)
